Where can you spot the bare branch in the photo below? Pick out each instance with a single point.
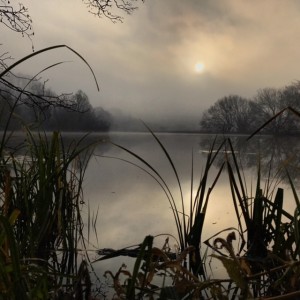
(16, 18)
(109, 8)
(37, 96)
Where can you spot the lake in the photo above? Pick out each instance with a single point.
(131, 204)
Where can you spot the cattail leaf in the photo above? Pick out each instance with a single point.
(233, 270)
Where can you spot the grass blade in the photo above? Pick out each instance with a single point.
(45, 50)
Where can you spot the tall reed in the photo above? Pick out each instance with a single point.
(41, 228)
(189, 214)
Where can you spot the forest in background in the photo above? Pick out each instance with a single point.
(235, 114)
(41, 106)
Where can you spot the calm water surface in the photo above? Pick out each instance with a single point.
(131, 204)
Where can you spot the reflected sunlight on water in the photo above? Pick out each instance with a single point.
(132, 204)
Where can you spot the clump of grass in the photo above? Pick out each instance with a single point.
(42, 194)
(42, 247)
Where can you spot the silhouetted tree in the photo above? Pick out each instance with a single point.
(32, 94)
(231, 114)
(104, 118)
(234, 114)
(41, 106)
(81, 102)
(82, 116)
(270, 101)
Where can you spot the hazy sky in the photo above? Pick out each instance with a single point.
(146, 65)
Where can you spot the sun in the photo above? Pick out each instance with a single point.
(199, 67)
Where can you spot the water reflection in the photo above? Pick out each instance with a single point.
(132, 205)
(276, 155)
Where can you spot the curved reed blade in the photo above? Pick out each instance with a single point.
(173, 203)
(45, 50)
(200, 195)
(147, 172)
(293, 189)
(175, 172)
(237, 168)
(273, 118)
(191, 197)
(145, 251)
(17, 285)
(276, 214)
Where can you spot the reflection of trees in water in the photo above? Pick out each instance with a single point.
(275, 154)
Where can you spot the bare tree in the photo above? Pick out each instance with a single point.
(231, 114)
(234, 114)
(33, 94)
(270, 101)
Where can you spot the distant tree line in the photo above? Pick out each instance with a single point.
(39, 106)
(235, 114)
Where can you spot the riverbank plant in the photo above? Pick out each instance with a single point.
(41, 232)
(42, 245)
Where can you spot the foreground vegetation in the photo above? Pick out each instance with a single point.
(41, 224)
(41, 228)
